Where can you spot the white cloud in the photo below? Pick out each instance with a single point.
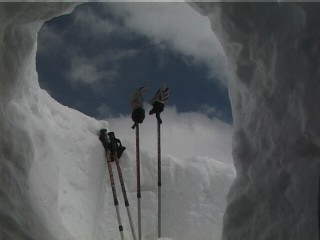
(210, 111)
(173, 25)
(178, 26)
(91, 70)
(184, 135)
(85, 70)
(105, 66)
(92, 24)
(105, 111)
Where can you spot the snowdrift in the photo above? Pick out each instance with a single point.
(53, 175)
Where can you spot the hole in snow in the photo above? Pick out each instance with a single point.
(93, 59)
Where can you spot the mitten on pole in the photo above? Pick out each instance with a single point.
(158, 101)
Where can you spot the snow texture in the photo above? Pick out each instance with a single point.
(53, 176)
(273, 50)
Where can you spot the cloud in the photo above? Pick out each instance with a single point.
(82, 70)
(179, 27)
(105, 111)
(93, 23)
(114, 51)
(184, 135)
(85, 70)
(103, 67)
(210, 111)
(85, 62)
(174, 26)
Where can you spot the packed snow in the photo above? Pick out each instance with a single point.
(274, 51)
(54, 183)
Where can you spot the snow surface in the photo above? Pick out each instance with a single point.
(274, 51)
(53, 174)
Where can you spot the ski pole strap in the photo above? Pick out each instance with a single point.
(158, 118)
(157, 109)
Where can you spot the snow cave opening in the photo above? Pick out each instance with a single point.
(69, 163)
(92, 60)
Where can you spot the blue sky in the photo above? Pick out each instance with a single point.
(93, 59)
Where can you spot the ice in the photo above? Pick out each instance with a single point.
(53, 179)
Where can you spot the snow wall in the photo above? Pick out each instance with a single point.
(53, 182)
(274, 51)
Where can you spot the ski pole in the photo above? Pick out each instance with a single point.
(159, 179)
(138, 179)
(158, 101)
(114, 193)
(138, 115)
(126, 201)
